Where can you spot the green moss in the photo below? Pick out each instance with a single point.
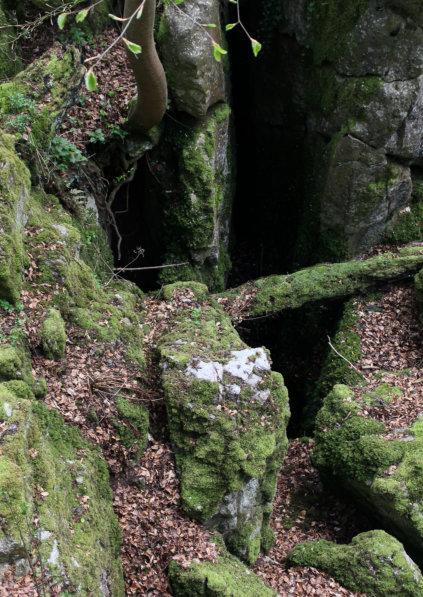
(53, 335)
(374, 563)
(75, 511)
(332, 21)
(385, 393)
(348, 445)
(10, 64)
(219, 448)
(14, 189)
(228, 577)
(201, 212)
(133, 434)
(199, 290)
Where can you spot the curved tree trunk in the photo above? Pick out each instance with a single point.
(149, 73)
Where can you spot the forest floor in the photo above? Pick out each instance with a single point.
(146, 492)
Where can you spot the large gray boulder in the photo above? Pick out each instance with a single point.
(196, 80)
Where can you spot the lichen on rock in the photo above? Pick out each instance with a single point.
(227, 418)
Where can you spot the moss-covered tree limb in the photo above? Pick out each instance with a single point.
(148, 70)
(325, 281)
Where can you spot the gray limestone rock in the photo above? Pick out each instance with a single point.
(362, 191)
(196, 80)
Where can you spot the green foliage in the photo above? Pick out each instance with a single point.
(25, 109)
(97, 136)
(65, 153)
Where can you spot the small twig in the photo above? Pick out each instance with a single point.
(136, 269)
(346, 360)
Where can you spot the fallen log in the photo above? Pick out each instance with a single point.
(324, 281)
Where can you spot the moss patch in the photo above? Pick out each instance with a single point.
(53, 335)
(227, 577)
(373, 563)
(133, 430)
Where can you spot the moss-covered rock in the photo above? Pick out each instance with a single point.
(347, 444)
(373, 563)
(14, 190)
(34, 102)
(196, 226)
(107, 312)
(228, 577)
(324, 281)
(47, 470)
(353, 460)
(53, 335)
(227, 418)
(15, 364)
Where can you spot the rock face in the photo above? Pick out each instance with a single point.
(373, 563)
(344, 105)
(196, 80)
(227, 418)
(195, 198)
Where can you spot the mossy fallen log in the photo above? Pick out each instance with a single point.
(325, 281)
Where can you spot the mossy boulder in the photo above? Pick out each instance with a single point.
(353, 460)
(196, 226)
(227, 418)
(228, 577)
(14, 189)
(15, 364)
(53, 335)
(348, 445)
(374, 563)
(49, 472)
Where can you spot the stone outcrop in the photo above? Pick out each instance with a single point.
(373, 563)
(227, 418)
(196, 80)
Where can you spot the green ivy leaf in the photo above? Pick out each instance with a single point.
(230, 26)
(132, 47)
(256, 45)
(81, 15)
(61, 19)
(90, 80)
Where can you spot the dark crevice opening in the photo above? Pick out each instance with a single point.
(297, 341)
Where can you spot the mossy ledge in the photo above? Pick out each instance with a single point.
(352, 458)
(324, 281)
(374, 563)
(227, 418)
